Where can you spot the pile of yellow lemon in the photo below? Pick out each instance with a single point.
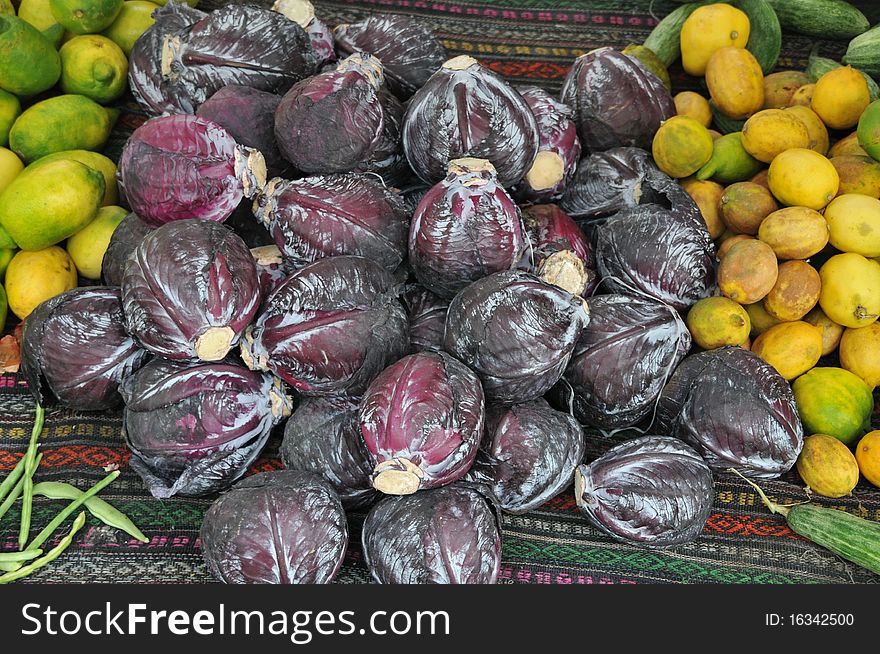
(62, 65)
(792, 199)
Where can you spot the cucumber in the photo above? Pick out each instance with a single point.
(855, 539)
(864, 52)
(765, 33)
(724, 124)
(665, 39)
(818, 66)
(827, 19)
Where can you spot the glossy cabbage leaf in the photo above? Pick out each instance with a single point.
(615, 101)
(466, 110)
(281, 527)
(189, 290)
(653, 491)
(180, 167)
(622, 361)
(426, 313)
(409, 51)
(74, 349)
(333, 121)
(186, 55)
(464, 228)
(327, 215)
(516, 332)
(193, 429)
(559, 148)
(528, 454)
(125, 239)
(330, 328)
(322, 436)
(649, 250)
(422, 420)
(736, 410)
(447, 535)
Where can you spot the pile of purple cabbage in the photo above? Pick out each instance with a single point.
(429, 285)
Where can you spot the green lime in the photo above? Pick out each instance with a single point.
(86, 16)
(29, 63)
(10, 109)
(39, 14)
(95, 161)
(65, 122)
(48, 203)
(135, 18)
(93, 66)
(869, 130)
(6, 255)
(729, 162)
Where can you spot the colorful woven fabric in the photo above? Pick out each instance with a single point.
(528, 41)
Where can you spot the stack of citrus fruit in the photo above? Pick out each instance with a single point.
(62, 65)
(789, 187)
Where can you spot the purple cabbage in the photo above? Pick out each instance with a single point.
(189, 290)
(464, 228)
(622, 360)
(422, 419)
(330, 328)
(736, 410)
(248, 114)
(327, 215)
(334, 121)
(193, 429)
(615, 101)
(447, 535)
(179, 167)
(282, 527)
(124, 240)
(302, 12)
(517, 332)
(272, 268)
(74, 349)
(322, 437)
(409, 51)
(664, 254)
(186, 55)
(558, 148)
(610, 181)
(652, 491)
(426, 313)
(528, 454)
(387, 159)
(560, 253)
(466, 110)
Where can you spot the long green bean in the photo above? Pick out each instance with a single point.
(53, 554)
(12, 478)
(16, 492)
(27, 495)
(14, 557)
(70, 508)
(102, 510)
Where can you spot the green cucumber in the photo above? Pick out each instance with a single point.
(724, 124)
(765, 33)
(864, 52)
(665, 39)
(827, 19)
(855, 539)
(818, 66)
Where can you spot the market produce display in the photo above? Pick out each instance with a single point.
(434, 282)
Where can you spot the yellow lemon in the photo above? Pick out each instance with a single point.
(804, 178)
(35, 276)
(708, 29)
